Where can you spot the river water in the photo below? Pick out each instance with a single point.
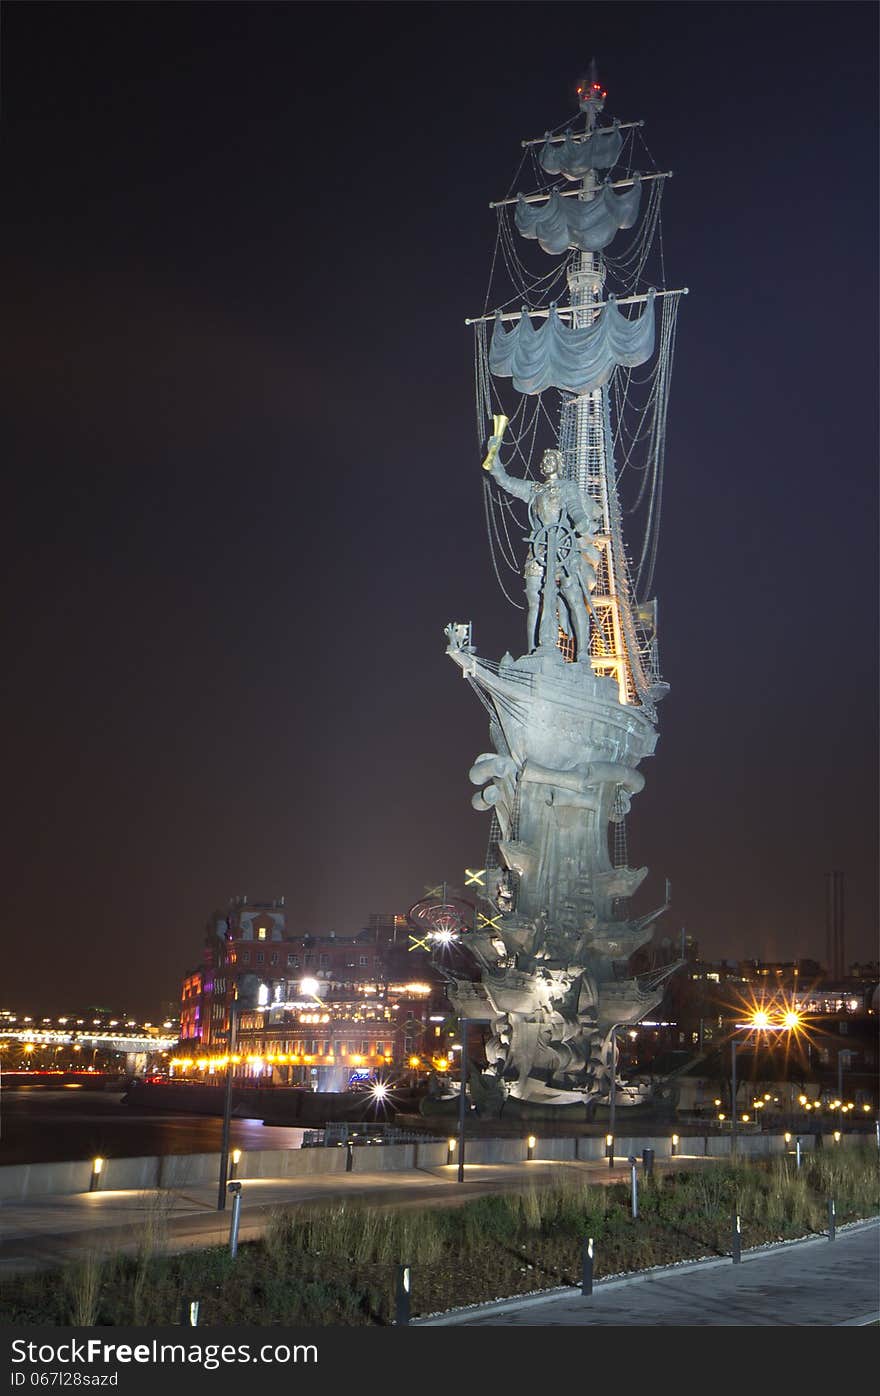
(39, 1125)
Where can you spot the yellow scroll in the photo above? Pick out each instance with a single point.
(499, 424)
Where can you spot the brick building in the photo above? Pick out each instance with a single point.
(312, 1010)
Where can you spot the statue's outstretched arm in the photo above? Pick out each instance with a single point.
(520, 489)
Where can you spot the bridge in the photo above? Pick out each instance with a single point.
(108, 1041)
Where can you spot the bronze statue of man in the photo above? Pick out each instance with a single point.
(562, 559)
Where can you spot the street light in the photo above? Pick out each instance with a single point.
(227, 1111)
(612, 1094)
(462, 1096)
(760, 1021)
(733, 1046)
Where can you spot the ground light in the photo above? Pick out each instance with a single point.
(530, 1147)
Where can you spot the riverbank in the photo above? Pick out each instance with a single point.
(335, 1263)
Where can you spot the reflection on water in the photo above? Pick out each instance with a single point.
(42, 1126)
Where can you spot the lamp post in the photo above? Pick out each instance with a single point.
(462, 1097)
(227, 1114)
(760, 1022)
(840, 1111)
(612, 1093)
(733, 1046)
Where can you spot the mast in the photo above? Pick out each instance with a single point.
(584, 348)
(585, 437)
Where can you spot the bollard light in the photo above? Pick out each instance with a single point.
(194, 1313)
(530, 1147)
(587, 1266)
(235, 1219)
(836, 1136)
(609, 1149)
(95, 1180)
(634, 1185)
(451, 1145)
(736, 1248)
(787, 1137)
(797, 1151)
(403, 1285)
(234, 1159)
(674, 1150)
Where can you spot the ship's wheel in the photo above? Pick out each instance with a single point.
(441, 922)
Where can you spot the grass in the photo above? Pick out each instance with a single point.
(335, 1264)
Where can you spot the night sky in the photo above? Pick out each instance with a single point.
(240, 243)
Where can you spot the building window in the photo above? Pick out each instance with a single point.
(274, 957)
(365, 1047)
(293, 960)
(326, 1051)
(380, 1049)
(260, 957)
(245, 957)
(261, 933)
(363, 961)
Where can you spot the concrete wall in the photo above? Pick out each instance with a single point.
(35, 1180)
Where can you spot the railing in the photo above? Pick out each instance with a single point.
(339, 1133)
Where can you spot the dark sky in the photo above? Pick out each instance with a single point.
(240, 242)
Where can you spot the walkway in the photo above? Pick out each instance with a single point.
(810, 1283)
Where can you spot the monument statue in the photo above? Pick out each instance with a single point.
(571, 718)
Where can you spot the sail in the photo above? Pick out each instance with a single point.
(588, 225)
(576, 359)
(574, 158)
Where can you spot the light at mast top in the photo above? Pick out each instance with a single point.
(591, 94)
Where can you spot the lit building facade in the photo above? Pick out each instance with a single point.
(312, 1010)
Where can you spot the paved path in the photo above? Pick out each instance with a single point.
(54, 1230)
(811, 1283)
